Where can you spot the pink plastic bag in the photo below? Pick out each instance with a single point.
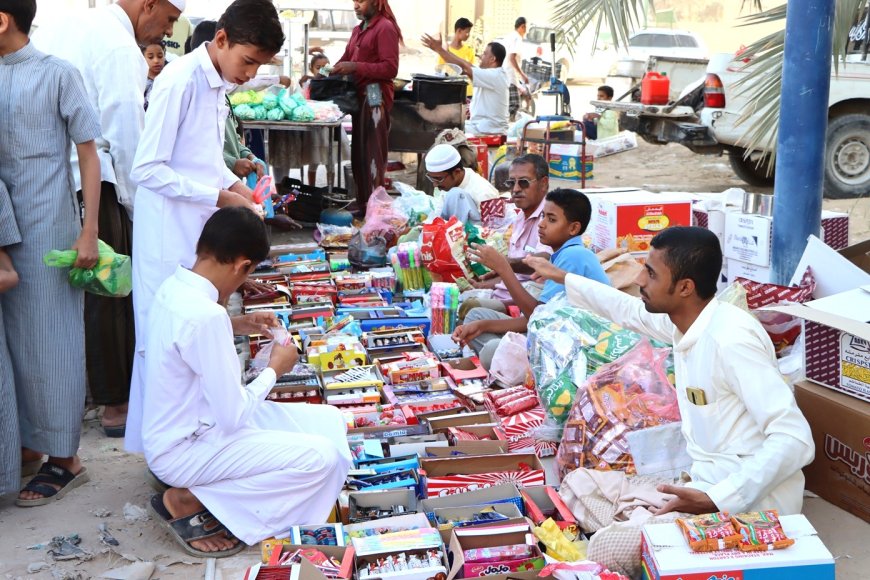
(383, 220)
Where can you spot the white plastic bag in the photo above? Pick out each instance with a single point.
(510, 363)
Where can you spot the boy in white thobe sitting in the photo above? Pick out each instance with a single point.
(240, 466)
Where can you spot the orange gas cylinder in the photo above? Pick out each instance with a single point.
(655, 89)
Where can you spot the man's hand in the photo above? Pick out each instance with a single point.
(244, 167)
(228, 198)
(489, 257)
(465, 333)
(485, 284)
(285, 82)
(283, 358)
(524, 76)
(87, 249)
(260, 167)
(256, 287)
(343, 68)
(544, 270)
(254, 323)
(686, 500)
(432, 43)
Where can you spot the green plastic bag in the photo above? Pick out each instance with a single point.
(112, 276)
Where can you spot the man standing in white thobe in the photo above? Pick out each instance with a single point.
(240, 466)
(745, 434)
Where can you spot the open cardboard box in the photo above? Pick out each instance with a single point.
(544, 502)
(360, 502)
(442, 423)
(504, 493)
(495, 442)
(443, 516)
(393, 524)
(462, 474)
(416, 444)
(464, 369)
(465, 448)
(370, 550)
(516, 531)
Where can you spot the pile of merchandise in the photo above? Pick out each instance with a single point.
(280, 104)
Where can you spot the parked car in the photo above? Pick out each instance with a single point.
(665, 42)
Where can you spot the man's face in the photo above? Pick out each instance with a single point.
(487, 60)
(657, 290)
(527, 191)
(446, 180)
(365, 9)
(463, 34)
(602, 96)
(238, 63)
(156, 21)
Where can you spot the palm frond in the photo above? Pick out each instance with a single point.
(619, 17)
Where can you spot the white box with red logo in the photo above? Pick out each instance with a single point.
(631, 219)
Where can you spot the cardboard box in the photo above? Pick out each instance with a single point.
(393, 524)
(544, 502)
(415, 444)
(462, 474)
(539, 131)
(748, 238)
(298, 532)
(503, 493)
(565, 162)
(360, 503)
(520, 431)
(736, 269)
(374, 548)
(307, 570)
(840, 472)
(464, 369)
(441, 424)
(835, 229)
(465, 448)
(632, 219)
(444, 516)
(837, 340)
(491, 437)
(513, 532)
(667, 556)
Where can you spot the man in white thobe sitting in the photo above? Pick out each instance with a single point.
(464, 189)
(240, 467)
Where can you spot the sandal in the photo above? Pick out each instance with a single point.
(115, 431)
(31, 467)
(199, 526)
(48, 476)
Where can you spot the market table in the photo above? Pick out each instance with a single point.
(334, 142)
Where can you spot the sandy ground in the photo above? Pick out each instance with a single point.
(117, 478)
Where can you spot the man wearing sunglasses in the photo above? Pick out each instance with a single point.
(529, 183)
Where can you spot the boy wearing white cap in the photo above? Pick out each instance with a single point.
(465, 189)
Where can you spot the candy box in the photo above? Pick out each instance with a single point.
(464, 369)
(415, 444)
(667, 556)
(419, 411)
(520, 430)
(466, 448)
(413, 554)
(387, 464)
(414, 521)
(444, 422)
(446, 519)
(476, 540)
(404, 479)
(495, 495)
(462, 474)
(374, 416)
(377, 505)
(487, 439)
(297, 393)
(270, 570)
(544, 502)
(318, 535)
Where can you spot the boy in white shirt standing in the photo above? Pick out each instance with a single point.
(179, 165)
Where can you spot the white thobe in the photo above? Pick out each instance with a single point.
(749, 441)
(180, 170)
(477, 186)
(258, 466)
(101, 44)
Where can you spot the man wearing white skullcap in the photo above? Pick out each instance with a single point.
(103, 44)
(465, 188)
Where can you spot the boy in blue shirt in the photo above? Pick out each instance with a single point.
(565, 217)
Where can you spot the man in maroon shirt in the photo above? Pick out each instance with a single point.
(372, 57)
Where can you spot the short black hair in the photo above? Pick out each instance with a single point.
(575, 204)
(691, 253)
(607, 90)
(253, 22)
(519, 22)
(463, 24)
(498, 52)
(22, 12)
(232, 233)
(204, 32)
(542, 169)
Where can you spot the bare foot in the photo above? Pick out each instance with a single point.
(181, 503)
(114, 415)
(71, 464)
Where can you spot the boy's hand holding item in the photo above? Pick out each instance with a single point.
(284, 357)
(544, 270)
(88, 253)
(244, 167)
(254, 323)
(491, 258)
(465, 333)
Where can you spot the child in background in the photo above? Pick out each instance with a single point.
(318, 61)
(155, 56)
(602, 123)
(566, 215)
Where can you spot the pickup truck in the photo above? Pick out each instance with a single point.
(704, 119)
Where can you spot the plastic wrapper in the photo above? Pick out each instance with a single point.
(246, 98)
(709, 532)
(415, 204)
(112, 275)
(558, 546)
(286, 102)
(630, 394)
(275, 114)
(259, 112)
(367, 252)
(332, 236)
(443, 250)
(383, 220)
(244, 112)
(735, 295)
(270, 101)
(302, 113)
(760, 531)
(325, 111)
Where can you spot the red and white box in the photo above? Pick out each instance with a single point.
(461, 474)
(631, 219)
(520, 430)
(835, 229)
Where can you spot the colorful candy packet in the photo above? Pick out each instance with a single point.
(709, 532)
(760, 531)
